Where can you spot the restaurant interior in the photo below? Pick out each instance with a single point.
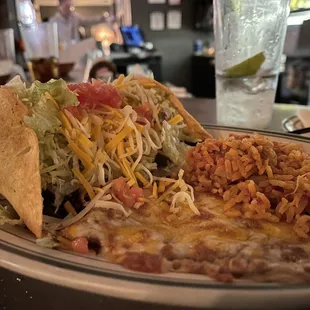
(173, 40)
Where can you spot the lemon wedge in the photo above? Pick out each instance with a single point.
(247, 67)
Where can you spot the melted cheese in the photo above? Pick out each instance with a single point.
(281, 230)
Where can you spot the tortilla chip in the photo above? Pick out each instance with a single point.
(194, 128)
(20, 181)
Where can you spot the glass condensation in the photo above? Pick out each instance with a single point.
(243, 29)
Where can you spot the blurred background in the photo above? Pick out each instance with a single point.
(170, 39)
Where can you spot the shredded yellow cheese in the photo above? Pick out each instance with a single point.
(139, 127)
(162, 186)
(65, 122)
(97, 190)
(88, 151)
(169, 191)
(131, 174)
(120, 148)
(155, 190)
(120, 80)
(119, 137)
(96, 132)
(131, 182)
(148, 85)
(88, 172)
(125, 166)
(84, 182)
(85, 158)
(141, 178)
(102, 157)
(65, 133)
(117, 113)
(111, 139)
(97, 157)
(88, 126)
(69, 208)
(129, 149)
(49, 96)
(175, 120)
(83, 140)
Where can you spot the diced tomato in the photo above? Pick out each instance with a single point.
(95, 95)
(136, 192)
(145, 111)
(75, 111)
(129, 196)
(80, 245)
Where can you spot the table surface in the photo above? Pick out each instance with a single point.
(204, 110)
(19, 292)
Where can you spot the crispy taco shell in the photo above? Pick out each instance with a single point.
(193, 127)
(20, 181)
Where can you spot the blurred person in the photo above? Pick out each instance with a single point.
(297, 86)
(36, 7)
(68, 22)
(103, 70)
(25, 12)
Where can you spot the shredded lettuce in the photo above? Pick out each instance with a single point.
(56, 165)
(44, 117)
(17, 86)
(167, 111)
(47, 242)
(173, 148)
(184, 136)
(55, 156)
(58, 89)
(149, 160)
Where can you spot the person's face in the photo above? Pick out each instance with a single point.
(65, 7)
(291, 78)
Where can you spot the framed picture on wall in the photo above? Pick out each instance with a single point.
(76, 3)
(174, 2)
(174, 19)
(156, 1)
(157, 21)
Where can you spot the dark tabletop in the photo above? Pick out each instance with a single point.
(18, 292)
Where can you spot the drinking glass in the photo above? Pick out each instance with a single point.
(7, 53)
(249, 37)
(42, 50)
